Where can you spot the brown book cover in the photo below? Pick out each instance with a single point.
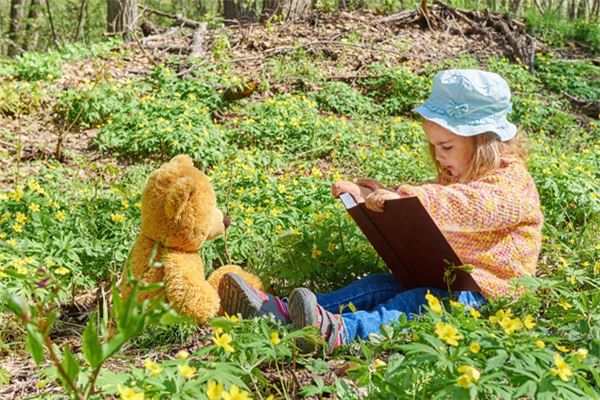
(410, 243)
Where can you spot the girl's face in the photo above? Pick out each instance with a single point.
(452, 151)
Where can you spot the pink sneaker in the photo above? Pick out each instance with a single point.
(304, 311)
(239, 297)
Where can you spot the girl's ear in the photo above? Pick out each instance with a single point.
(178, 197)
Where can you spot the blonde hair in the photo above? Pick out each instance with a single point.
(486, 157)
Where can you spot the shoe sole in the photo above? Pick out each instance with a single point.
(237, 297)
(301, 304)
(301, 301)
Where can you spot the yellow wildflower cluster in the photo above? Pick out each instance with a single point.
(152, 367)
(469, 375)
(504, 319)
(562, 368)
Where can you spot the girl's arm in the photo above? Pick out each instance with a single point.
(497, 201)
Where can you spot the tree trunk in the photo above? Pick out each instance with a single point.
(582, 12)
(122, 17)
(32, 25)
(241, 10)
(80, 20)
(17, 10)
(290, 10)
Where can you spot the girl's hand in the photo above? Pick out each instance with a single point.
(346, 187)
(375, 200)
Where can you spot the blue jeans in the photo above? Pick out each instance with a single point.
(379, 299)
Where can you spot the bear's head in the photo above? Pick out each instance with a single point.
(179, 207)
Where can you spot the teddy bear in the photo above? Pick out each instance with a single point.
(179, 212)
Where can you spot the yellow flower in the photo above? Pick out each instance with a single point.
(457, 304)
(500, 315)
(183, 355)
(471, 374)
(153, 367)
(17, 195)
(186, 371)
(434, 303)
(125, 203)
(528, 322)
(597, 268)
(41, 384)
(540, 344)
(17, 228)
(315, 253)
(129, 394)
(20, 217)
(60, 215)
(235, 394)
(275, 338)
(463, 381)
(564, 349)
(511, 325)
(378, 363)
(448, 333)
(12, 242)
(62, 271)
(34, 207)
(474, 313)
(475, 347)
(565, 304)
(223, 341)
(232, 318)
(117, 218)
(562, 368)
(214, 390)
(581, 354)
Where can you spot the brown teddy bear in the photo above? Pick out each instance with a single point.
(179, 212)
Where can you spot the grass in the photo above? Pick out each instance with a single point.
(271, 161)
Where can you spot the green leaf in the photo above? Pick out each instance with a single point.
(70, 365)
(92, 349)
(18, 305)
(496, 361)
(35, 344)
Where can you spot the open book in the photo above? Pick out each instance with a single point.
(410, 243)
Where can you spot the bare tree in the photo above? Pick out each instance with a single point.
(122, 17)
(241, 10)
(32, 24)
(289, 9)
(17, 11)
(80, 20)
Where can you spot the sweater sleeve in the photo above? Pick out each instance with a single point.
(493, 202)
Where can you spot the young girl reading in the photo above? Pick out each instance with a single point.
(483, 200)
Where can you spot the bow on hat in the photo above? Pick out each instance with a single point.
(457, 110)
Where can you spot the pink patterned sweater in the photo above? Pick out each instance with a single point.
(493, 223)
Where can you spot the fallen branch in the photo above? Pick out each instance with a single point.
(181, 20)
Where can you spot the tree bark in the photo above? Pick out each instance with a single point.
(80, 20)
(17, 11)
(290, 10)
(241, 10)
(32, 25)
(122, 17)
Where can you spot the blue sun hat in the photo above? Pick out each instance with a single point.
(469, 102)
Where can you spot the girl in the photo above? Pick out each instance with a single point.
(483, 200)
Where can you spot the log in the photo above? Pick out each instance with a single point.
(197, 48)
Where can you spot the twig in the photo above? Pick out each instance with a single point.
(148, 56)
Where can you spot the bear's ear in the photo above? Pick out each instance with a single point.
(182, 159)
(178, 197)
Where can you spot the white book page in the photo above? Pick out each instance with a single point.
(348, 200)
